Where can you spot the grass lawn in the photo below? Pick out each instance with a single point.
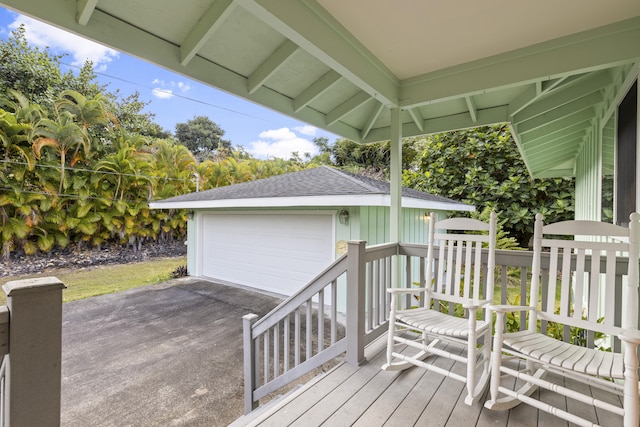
(93, 281)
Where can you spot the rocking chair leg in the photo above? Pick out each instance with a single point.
(496, 356)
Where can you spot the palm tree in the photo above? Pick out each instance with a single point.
(62, 134)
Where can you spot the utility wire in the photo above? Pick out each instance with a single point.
(188, 98)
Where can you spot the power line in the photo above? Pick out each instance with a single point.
(188, 98)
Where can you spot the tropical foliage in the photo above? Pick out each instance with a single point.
(79, 165)
(483, 167)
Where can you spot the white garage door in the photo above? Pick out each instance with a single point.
(275, 252)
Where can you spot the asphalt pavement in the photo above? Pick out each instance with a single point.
(161, 355)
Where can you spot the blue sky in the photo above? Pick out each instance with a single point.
(174, 98)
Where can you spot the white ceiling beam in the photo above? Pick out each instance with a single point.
(591, 50)
(346, 107)
(486, 116)
(530, 95)
(524, 99)
(375, 113)
(556, 156)
(631, 77)
(558, 138)
(558, 125)
(84, 10)
(554, 173)
(573, 125)
(319, 87)
(204, 29)
(417, 118)
(311, 27)
(549, 85)
(594, 82)
(471, 105)
(585, 103)
(269, 67)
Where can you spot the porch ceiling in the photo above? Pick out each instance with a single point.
(549, 68)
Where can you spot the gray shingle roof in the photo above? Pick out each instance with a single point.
(320, 181)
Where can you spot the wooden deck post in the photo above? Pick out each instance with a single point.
(35, 351)
(249, 365)
(356, 302)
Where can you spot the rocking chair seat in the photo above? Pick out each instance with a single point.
(434, 322)
(550, 351)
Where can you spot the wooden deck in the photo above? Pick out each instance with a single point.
(368, 396)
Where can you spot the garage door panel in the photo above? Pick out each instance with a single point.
(276, 252)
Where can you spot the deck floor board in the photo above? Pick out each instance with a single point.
(368, 397)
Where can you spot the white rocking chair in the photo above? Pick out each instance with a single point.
(578, 292)
(461, 285)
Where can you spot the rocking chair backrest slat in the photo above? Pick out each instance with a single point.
(610, 283)
(477, 273)
(581, 289)
(460, 270)
(458, 266)
(581, 276)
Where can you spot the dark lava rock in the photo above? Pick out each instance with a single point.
(20, 264)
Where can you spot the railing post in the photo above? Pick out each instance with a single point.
(35, 350)
(249, 362)
(355, 302)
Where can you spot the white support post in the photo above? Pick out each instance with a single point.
(396, 225)
(355, 302)
(35, 351)
(396, 177)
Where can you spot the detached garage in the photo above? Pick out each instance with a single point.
(275, 251)
(276, 234)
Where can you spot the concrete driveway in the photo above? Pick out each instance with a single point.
(161, 355)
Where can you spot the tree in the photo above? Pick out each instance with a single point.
(33, 72)
(372, 160)
(483, 167)
(201, 136)
(130, 116)
(62, 134)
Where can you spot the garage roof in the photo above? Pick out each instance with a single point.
(550, 68)
(321, 186)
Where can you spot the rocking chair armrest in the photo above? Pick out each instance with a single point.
(503, 308)
(407, 290)
(468, 303)
(475, 303)
(630, 335)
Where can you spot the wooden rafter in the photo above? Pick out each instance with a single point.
(590, 84)
(269, 67)
(204, 29)
(417, 118)
(84, 10)
(568, 109)
(315, 90)
(375, 113)
(346, 107)
(471, 105)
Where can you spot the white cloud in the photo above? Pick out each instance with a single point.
(281, 143)
(307, 130)
(80, 49)
(165, 90)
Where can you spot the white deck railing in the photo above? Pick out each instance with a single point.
(346, 307)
